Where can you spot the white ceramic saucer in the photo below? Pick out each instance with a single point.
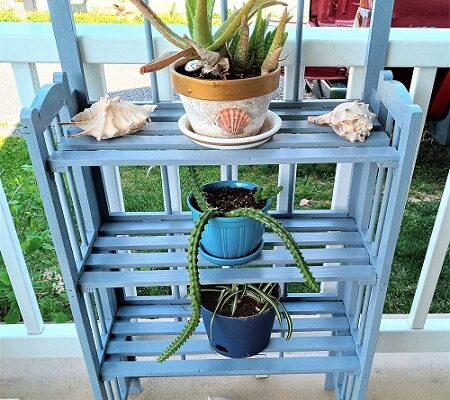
(271, 125)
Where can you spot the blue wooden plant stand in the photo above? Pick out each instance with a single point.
(102, 252)
(95, 267)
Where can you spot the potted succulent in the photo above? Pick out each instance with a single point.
(225, 78)
(265, 297)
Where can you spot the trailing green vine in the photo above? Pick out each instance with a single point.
(193, 249)
(287, 238)
(194, 286)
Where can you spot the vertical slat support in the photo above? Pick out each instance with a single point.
(410, 135)
(68, 48)
(378, 44)
(298, 75)
(151, 56)
(223, 10)
(57, 223)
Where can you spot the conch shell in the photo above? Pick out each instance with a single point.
(352, 121)
(232, 120)
(112, 117)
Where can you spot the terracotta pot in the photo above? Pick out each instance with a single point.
(225, 108)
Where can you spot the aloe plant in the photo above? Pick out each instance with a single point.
(193, 250)
(244, 51)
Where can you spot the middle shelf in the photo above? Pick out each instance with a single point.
(154, 249)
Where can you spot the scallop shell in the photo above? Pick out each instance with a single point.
(112, 117)
(232, 120)
(193, 65)
(352, 121)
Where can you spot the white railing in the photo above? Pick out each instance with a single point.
(23, 45)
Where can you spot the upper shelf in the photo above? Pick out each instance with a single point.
(161, 143)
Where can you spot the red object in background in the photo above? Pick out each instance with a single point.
(406, 13)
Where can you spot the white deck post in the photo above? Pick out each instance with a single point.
(421, 87)
(432, 265)
(17, 269)
(95, 80)
(27, 81)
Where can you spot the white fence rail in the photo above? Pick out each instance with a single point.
(23, 45)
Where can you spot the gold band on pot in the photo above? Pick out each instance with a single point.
(234, 89)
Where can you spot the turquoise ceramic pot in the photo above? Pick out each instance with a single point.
(230, 238)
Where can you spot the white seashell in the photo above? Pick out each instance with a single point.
(112, 117)
(232, 120)
(352, 121)
(193, 65)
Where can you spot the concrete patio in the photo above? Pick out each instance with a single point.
(414, 376)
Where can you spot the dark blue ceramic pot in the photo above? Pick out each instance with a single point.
(230, 238)
(239, 337)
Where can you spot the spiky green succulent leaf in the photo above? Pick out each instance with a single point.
(257, 36)
(224, 25)
(287, 238)
(271, 61)
(194, 286)
(210, 9)
(190, 12)
(232, 26)
(260, 52)
(258, 4)
(233, 45)
(278, 39)
(268, 41)
(264, 4)
(201, 26)
(159, 25)
(241, 53)
(285, 36)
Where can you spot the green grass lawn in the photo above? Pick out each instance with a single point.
(314, 182)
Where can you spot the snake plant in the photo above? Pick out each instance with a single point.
(244, 51)
(193, 250)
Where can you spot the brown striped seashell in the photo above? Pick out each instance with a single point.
(232, 120)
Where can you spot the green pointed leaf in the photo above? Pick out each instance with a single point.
(59, 317)
(234, 42)
(232, 27)
(4, 278)
(190, 12)
(202, 28)
(13, 315)
(210, 8)
(242, 54)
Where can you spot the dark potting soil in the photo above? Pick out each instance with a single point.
(246, 308)
(229, 199)
(232, 75)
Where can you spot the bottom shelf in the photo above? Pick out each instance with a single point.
(319, 327)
